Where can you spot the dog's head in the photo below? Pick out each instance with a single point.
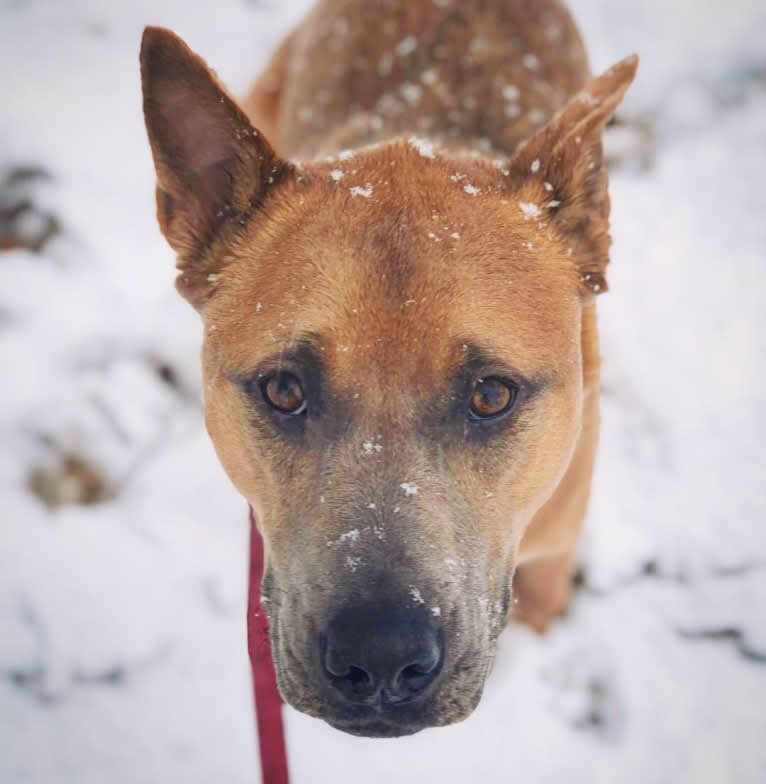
(392, 376)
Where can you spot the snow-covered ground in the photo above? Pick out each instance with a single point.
(122, 639)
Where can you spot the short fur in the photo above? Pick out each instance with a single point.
(448, 221)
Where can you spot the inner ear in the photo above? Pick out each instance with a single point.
(197, 147)
(212, 166)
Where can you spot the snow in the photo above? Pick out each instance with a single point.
(349, 536)
(123, 655)
(417, 597)
(409, 488)
(363, 191)
(530, 209)
(369, 448)
(412, 92)
(353, 563)
(424, 146)
(407, 46)
(531, 61)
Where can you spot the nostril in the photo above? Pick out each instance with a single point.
(412, 680)
(413, 672)
(415, 678)
(355, 683)
(358, 680)
(335, 664)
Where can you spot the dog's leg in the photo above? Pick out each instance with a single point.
(542, 590)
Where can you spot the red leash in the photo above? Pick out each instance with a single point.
(268, 703)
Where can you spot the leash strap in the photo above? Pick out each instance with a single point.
(268, 702)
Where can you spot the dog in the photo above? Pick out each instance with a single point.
(395, 245)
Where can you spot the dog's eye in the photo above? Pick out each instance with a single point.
(283, 391)
(491, 397)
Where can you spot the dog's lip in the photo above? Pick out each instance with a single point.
(380, 718)
(378, 729)
(384, 704)
(378, 723)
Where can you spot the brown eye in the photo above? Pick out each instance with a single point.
(284, 392)
(491, 397)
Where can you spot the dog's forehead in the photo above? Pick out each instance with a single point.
(395, 261)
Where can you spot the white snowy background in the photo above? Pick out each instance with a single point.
(122, 635)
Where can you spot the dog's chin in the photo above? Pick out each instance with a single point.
(377, 728)
(396, 724)
(391, 721)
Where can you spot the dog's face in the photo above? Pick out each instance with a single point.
(395, 405)
(392, 378)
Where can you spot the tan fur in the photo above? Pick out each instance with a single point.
(393, 263)
(351, 73)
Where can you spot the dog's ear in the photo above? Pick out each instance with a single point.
(213, 167)
(559, 174)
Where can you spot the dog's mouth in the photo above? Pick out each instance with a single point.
(385, 719)
(388, 722)
(381, 719)
(451, 692)
(384, 667)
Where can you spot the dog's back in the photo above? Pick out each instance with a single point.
(483, 74)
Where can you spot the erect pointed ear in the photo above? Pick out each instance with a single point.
(213, 167)
(560, 177)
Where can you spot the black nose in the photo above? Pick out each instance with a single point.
(382, 653)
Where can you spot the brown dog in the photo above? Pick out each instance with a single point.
(400, 359)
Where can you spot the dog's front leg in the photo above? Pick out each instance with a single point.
(542, 590)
